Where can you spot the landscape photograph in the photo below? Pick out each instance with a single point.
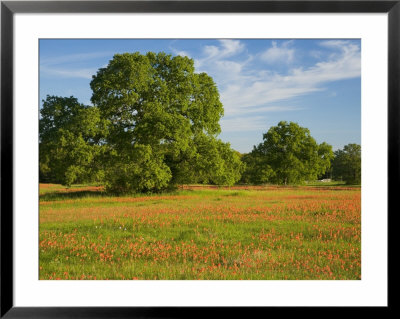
(199, 159)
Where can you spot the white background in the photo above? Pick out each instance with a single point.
(370, 291)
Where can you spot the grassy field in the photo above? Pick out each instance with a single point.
(308, 232)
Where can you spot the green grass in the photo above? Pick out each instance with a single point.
(331, 183)
(201, 233)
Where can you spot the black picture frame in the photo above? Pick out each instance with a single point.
(9, 8)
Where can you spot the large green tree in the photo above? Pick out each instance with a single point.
(346, 165)
(70, 141)
(288, 155)
(163, 121)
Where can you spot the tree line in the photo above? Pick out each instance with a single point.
(154, 124)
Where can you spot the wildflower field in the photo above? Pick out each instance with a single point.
(244, 232)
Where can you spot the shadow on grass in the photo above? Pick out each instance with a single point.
(71, 195)
(78, 194)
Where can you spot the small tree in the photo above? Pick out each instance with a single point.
(288, 155)
(257, 170)
(70, 136)
(346, 165)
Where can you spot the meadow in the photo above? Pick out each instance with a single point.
(213, 233)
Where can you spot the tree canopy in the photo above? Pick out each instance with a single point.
(288, 154)
(346, 165)
(163, 119)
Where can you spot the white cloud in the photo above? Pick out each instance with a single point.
(70, 58)
(243, 93)
(248, 89)
(231, 47)
(180, 52)
(251, 123)
(244, 99)
(68, 73)
(279, 54)
(266, 109)
(60, 66)
(316, 54)
(344, 64)
(335, 43)
(226, 49)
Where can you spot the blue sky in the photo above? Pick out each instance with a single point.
(316, 83)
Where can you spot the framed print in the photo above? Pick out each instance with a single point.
(163, 155)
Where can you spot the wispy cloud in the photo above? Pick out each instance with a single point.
(242, 89)
(71, 58)
(251, 123)
(68, 73)
(214, 54)
(279, 54)
(226, 49)
(67, 66)
(182, 53)
(265, 109)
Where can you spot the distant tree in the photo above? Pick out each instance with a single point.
(210, 161)
(346, 165)
(257, 170)
(216, 162)
(163, 121)
(70, 136)
(288, 155)
(325, 155)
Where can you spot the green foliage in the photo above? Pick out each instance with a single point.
(163, 119)
(230, 167)
(137, 170)
(216, 162)
(346, 165)
(257, 171)
(69, 135)
(288, 155)
(155, 97)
